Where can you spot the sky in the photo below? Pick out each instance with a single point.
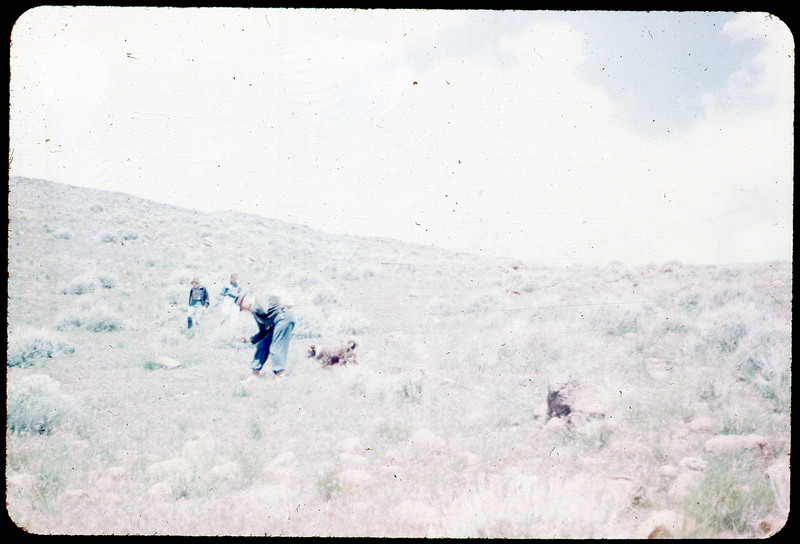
(553, 137)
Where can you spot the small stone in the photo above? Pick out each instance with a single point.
(694, 463)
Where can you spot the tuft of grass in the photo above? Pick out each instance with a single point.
(98, 322)
(410, 391)
(150, 365)
(329, 485)
(734, 492)
(254, 429)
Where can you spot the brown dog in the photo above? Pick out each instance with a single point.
(342, 355)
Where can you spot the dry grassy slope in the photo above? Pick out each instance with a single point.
(442, 415)
(149, 252)
(58, 232)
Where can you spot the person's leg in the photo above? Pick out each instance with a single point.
(190, 315)
(279, 348)
(226, 308)
(261, 354)
(198, 314)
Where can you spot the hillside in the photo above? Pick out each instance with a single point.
(681, 428)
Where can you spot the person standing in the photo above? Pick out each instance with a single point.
(275, 325)
(198, 302)
(230, 291)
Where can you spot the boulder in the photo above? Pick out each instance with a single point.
(353, 477)
(684, 484)
(283, 465)
(702, 424)
(566, 397)
(734, 443)
(226, 471)
(666, 524)
(694, 463)
(173, 469)
(426, 440)
(168, 363)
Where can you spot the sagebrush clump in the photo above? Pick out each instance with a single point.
(36, 405)
(33, 350)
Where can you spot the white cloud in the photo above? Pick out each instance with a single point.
(365, 128)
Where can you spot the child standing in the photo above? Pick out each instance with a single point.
(230, 291)
(198, 302)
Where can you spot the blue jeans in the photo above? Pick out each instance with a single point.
(275, 345)
(195, 314)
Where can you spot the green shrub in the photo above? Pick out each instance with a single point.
(35, 405)
(410, 391)
(725, 337)
(330, 485)
(31, 351)
(94, 323)
(81, 285)
(689, 302)
(616, 321)
(103, 323)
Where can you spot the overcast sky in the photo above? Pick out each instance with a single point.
(581, 137)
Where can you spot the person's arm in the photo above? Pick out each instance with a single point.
(263, 331)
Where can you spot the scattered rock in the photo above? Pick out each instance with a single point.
(175, 468)
(227, 471)
(417, 516)
(160, 490)
(105, 483)
(465, 459)
(629, 488)
(352, 460)
(555, 424)
(350, 445)
(666, 524)
(668, 471)
(702, 424)
(779, 472)
(768, 526)
(168, 362)
(732, 443)
(425, 439)
(694, 463)
(268, 495)
(683, 485)
(396, 338)
(21, 482)
(75, 494)
(631, 449)
(116, 473)
(353, 477)
(199, 447)
(283, 464)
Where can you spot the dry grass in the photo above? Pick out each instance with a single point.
(439, 431)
